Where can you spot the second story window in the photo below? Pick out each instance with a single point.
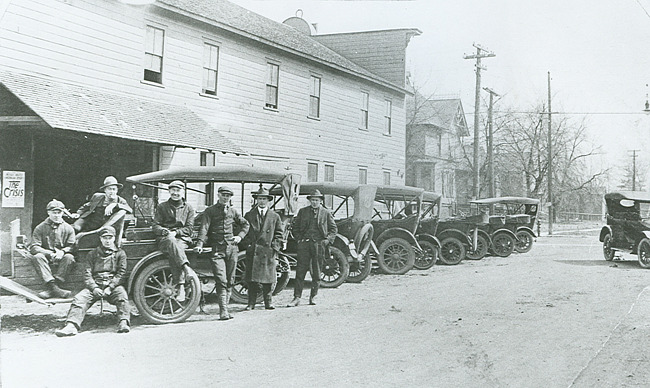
(365, 97)
(386, 177)
(153, 53)
(329, 173)
(314, 97)
(312, 172)
(272, 75)
(363, 176)
(388, 117)
(210, 68)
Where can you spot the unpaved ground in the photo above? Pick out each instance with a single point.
(555, 317)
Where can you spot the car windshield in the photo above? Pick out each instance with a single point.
(644, 210)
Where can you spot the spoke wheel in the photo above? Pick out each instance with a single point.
(452, 251)
(240, 288)
(155, 295)
(503, 244)
(608, 252)
(481, 249)
(335, 269)
(524, 242)
(643, 253)
(396, 256)
(429, 255)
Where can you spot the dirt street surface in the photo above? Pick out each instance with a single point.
(558, 316)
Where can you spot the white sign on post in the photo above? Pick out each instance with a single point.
(13, 189)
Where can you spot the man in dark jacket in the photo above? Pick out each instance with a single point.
(264, 240)
(103, 209)
(52, 243)
(173, 224)
(314, 229)
(103, 277)
(217, 229)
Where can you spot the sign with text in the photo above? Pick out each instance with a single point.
(13, 189)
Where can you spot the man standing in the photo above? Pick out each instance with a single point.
(264, 240)
(103, 277)
(217, 223)
(52, 242)
(173, 224)
(103, 209)
(314, 229)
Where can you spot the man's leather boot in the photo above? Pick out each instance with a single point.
(295, 302)
(228, 293)
(58, 292)
(69, 330)
(252, 297)
(123, 326)
(181, 293)
(267, 303)
(223, 306)
(312, 299)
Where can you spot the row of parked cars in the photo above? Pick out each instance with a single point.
(392, 228)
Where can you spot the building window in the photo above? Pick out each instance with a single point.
(312, 172)
(387, 177)
(363, 176)
(388, 117)
(272, 75)
(329, 173)
(208, 159)
(314, 96)
(365, 97)
(210, 68)
(153, 53)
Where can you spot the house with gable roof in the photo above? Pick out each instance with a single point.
(90, 88)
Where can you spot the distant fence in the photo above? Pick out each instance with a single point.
(576, 216)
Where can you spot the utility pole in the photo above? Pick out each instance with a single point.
(490, 148)
(550, 162)
(480, 53)
(634, 169)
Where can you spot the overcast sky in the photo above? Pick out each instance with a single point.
(596, 50)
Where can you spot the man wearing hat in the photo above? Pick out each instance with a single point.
(103, 209)
(105, 267)
(264, 240)
(218, 225)
(314, 229)
(52, 242)
(173, 224)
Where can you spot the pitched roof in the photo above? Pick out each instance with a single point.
(446, 114)
(232, 17)
(78, 108)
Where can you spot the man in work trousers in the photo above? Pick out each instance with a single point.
(103, 277)
(264, 240)
(52, 242)
(314, 229)
(217, 224)
(173, 224)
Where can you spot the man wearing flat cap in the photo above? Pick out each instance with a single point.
(105, 267)
(314, 229)
(103, 209)
(218, 224)
(264, 240)
(51, 246)
(173, 223)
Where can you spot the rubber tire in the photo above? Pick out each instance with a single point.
(410, 258)
(138, 293)
(480, 253)
(509, 243)
(430, 256)
(359, 271)
(527, 245)
(240, 291)
(336, 261)
(608, 252)
(448, 246)
(643, 253)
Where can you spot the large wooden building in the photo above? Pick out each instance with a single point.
(90, 88)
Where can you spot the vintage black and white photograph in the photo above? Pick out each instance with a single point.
(324, 193)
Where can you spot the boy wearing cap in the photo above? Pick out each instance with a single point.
(173, 223)
(103, 277)
(217, 223)
(264, 240)
(103, 209)
(52, 242)
(314, 229)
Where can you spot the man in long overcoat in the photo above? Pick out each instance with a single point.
(264, 240)
(314, 229)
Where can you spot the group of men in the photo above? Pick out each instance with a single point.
(222, 229)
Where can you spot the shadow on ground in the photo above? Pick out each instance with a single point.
(602, 263)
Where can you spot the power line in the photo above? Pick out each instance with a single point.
(644, 10)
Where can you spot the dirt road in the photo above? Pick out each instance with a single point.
(558, 316)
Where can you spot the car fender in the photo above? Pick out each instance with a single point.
(484, 234)
(507, 231)
(527, 229)
(465, 239)
(646, 233)
(605, 231)
(153, 256)
(427, 237)
(398, 232)
(344, 244)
